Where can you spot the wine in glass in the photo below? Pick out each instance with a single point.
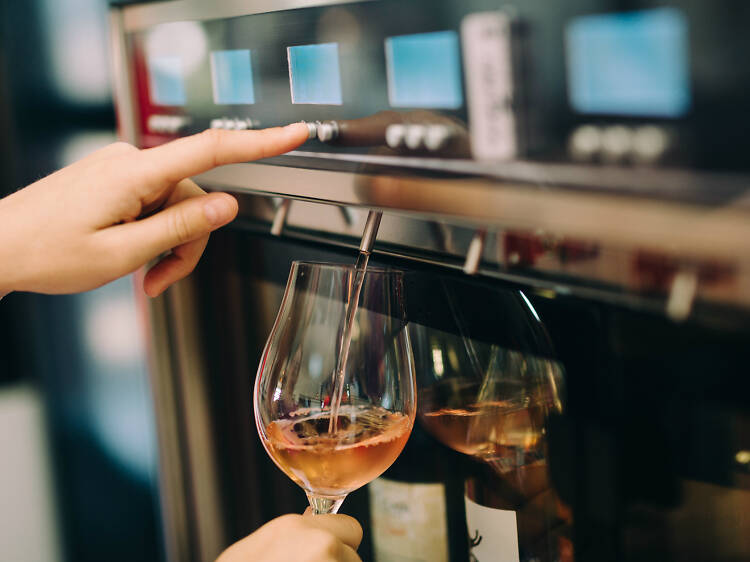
(331, 449)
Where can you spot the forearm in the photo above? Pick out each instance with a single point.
(10, 247)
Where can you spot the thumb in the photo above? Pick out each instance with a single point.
(188, 220)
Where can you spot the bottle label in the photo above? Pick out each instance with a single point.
(493, 533)
(409, 521)
(489, 81)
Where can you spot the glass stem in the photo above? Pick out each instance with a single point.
(323, 505)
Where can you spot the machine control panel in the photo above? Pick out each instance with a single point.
(452, 81)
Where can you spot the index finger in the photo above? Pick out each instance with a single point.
(193, 155)
(345, 528)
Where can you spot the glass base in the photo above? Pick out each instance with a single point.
(324, 505)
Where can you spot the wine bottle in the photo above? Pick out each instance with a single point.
(416, 507)
(514, 515)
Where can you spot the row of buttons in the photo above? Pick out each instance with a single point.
(617, 144)
(167, 124)
(234, 124)
(418, 137)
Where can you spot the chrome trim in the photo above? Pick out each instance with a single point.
(146, 15)
(687, 185)
(677, 229)
(605, 278)
(371, 232)
(206, 508)
(173, 496)
(122, 80)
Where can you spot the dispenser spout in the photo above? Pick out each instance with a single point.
(371, 232)
(475, 253)
(279, 219)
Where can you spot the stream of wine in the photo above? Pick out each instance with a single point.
(360, 269)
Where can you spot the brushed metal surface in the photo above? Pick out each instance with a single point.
(141, 16)
(122, 82)
(688, 231)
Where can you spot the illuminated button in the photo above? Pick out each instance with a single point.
(415, 136)
(328, 131)
(649, 144)
(617, 143)
(394, 135)
(585, 143)
(437, 137)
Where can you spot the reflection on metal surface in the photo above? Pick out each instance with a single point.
(122, 80)
(679, 229)
(189, 369)
(139, 17)
(604, 271)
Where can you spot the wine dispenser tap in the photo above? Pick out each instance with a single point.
(476, 251)
(371, 232)
(682, 294)
(279, 219)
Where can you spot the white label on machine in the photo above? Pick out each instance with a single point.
(493, 533)
(489, 83)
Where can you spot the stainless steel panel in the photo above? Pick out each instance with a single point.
(147, 15)
(122, 80)
(684, 230)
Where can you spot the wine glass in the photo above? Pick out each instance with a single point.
(295, 388)
(489, 395)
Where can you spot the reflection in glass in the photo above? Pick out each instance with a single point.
(494, 404)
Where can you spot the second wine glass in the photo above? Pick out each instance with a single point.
(295, 384)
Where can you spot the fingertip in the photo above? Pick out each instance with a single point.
(299, 130)
(220, 209)
(150, 285)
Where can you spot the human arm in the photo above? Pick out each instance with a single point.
(119, 208)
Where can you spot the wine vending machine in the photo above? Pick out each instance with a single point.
(565, 189)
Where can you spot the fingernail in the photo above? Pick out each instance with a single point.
(218, 211)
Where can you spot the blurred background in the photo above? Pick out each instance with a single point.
(77, 438)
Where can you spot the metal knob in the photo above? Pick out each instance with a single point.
(394, 135)
(585, 143)
(437, 137)
(649, 144)
(328, 131)
(312, 130)
(415, 136)
(617, 143)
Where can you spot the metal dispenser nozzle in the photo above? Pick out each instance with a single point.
(279, 219)
(371, 232)
(475, 253)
